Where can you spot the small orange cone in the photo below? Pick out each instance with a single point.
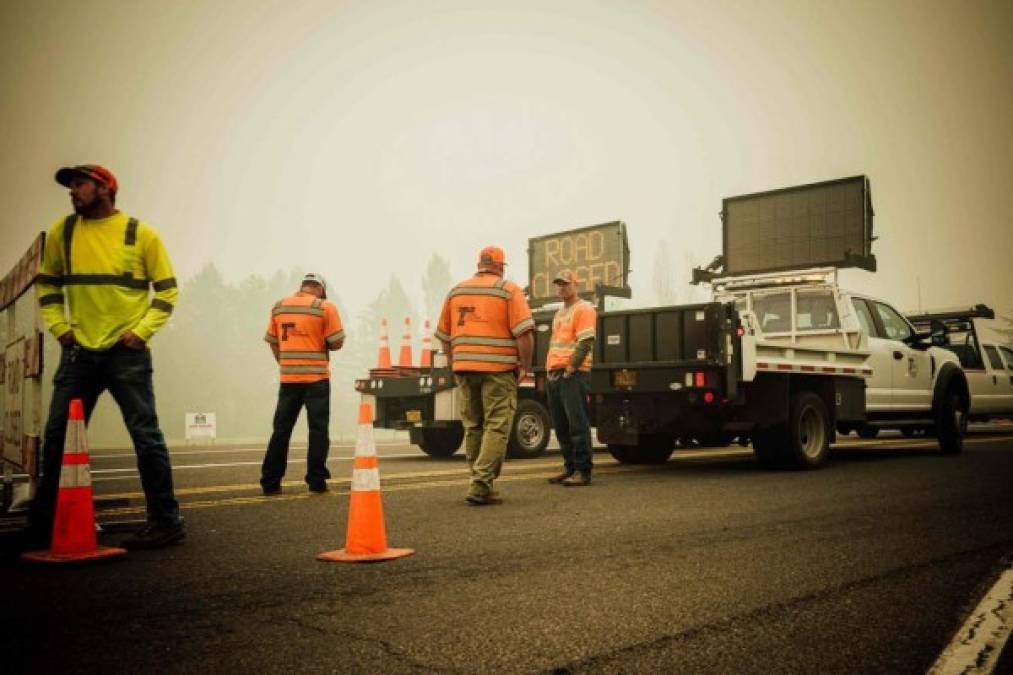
(383, 359)
(74, 525)
(404, 359)
(365, 536)
(427, 347)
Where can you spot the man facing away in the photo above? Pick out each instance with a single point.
(97, 268)
(301, 332)
(568, 366)
(487, 333)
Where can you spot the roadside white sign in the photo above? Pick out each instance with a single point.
(201, 426)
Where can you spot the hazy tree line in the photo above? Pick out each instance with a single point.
(211, 356)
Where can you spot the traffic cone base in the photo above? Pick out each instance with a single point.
(50, 557)
(342, 555)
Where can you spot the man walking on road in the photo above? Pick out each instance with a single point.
(488, 334)
(568, 366)
(302, 330)
(97, 268)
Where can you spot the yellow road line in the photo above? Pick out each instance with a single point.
(460, 476)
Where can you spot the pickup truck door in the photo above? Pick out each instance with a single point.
(878, 388)
(912, 368)
(994, 386)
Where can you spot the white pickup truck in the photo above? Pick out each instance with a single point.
(983, 353)
(912, 381)
(787, 359)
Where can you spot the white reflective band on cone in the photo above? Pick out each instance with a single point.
(366, 480)
(75, 475)
(364, 445)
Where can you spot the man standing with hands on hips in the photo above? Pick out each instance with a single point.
(568, 366)
(488, 334)
(97, 268)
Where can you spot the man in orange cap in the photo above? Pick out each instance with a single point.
(106, 286)
(488, 334)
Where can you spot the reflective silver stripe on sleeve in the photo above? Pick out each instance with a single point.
(563, 345)
(75, 475)
(311, 356)
(365, 480)
(488, 358)
(162, 305)
(501, 283)
(585, 334)
(285, 309)
(523, 326)
(304, 370)
(440, 335)
(335, 337)
(484, 341)
(478, 290)
(270, 338)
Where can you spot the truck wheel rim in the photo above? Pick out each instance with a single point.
(811, 433)
(529, 431)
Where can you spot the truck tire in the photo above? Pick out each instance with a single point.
(531, 429)
(809, 431)
(442, 441)
(624, 454)
(654, 449)
(951, 422)
(804, 443)
(868, 432)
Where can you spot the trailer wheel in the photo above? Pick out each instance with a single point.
(809, 431)
(951, 422)
(530, 433)
(443, 441)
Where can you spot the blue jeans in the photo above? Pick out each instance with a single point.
(292, 396)
(568, 407)
(126, 374)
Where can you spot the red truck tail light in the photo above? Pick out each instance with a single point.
(708, 397)
(699, 379)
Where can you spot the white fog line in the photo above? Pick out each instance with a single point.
(180, 453)
(183, 467)
(976, 647)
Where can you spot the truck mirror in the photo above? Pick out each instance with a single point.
(938, 332)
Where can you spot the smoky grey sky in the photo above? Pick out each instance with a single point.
(356, 139)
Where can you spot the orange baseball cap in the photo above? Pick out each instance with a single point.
(94, 172)
(491, 254)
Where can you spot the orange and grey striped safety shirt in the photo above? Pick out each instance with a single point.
(304, 326)
(571, 325)
(96, 277)
(482, 318)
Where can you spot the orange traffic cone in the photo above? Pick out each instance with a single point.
(74, 526)
(383, 359)
(365, 536)
(404, 359)
(427, 348)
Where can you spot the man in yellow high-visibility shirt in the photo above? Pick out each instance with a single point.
(97, 268)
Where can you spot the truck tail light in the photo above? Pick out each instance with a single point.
(699, 380)
(708, 397)
(740, 331)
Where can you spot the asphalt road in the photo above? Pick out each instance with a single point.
(706, 564)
